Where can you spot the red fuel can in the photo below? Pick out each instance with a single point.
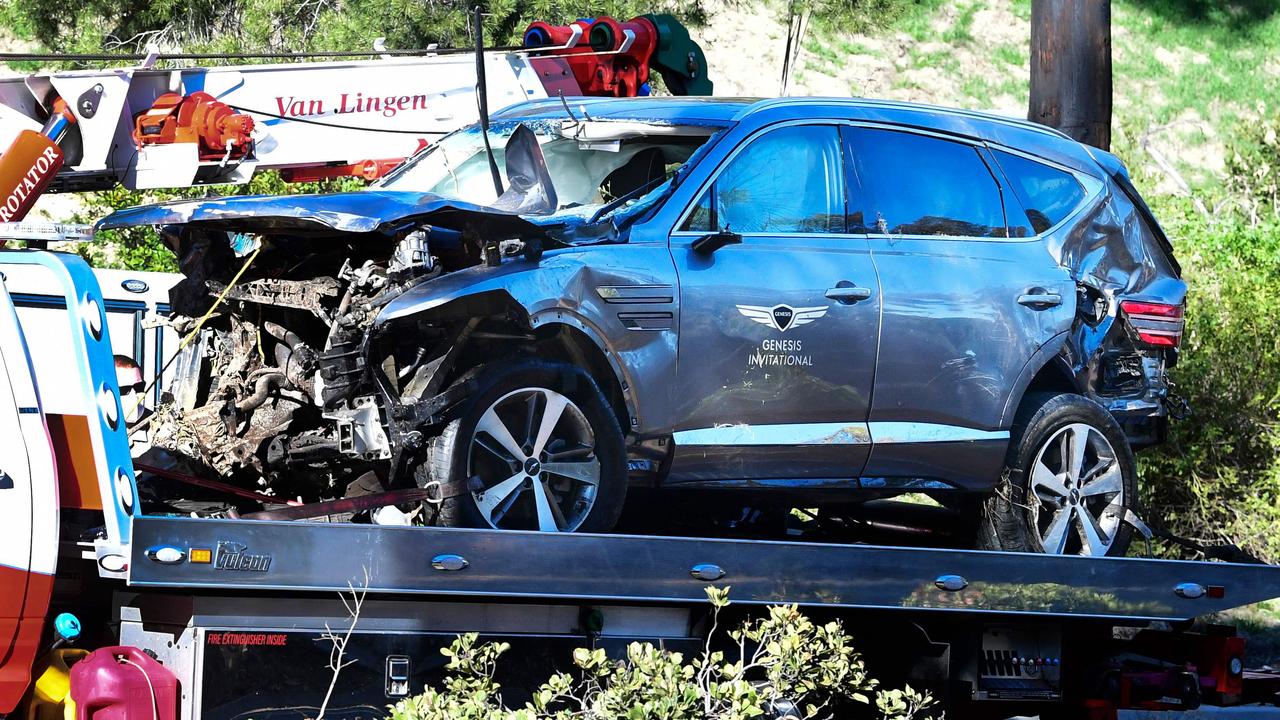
(123, 683)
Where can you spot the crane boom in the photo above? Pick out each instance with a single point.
(151, 127)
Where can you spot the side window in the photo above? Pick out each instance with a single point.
(789, 180)
(700, 219)
(1048, 195)
(922, 185)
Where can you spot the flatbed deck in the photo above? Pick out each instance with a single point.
(272, 555)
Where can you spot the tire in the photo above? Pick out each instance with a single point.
(1037, 506)
(508, 486)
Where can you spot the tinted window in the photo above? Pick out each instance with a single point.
(921, 185)
(1048, 195)
(789, 180)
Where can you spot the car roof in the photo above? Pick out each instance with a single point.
(1012, 132)
(920, 114)
(1016, 133)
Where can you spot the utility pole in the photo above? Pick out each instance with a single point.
(1071, 68)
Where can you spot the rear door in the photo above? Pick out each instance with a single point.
(28, 512)
(965, 307)
(777, 341)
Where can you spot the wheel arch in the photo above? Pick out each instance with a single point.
(1047, 370)
(580, 344)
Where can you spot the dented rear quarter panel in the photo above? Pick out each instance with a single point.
(1114, 252)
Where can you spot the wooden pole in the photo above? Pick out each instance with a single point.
(1071, 68)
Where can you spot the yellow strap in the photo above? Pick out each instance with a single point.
(221, 296)
(196, 330)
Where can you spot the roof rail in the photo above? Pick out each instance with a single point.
(898, 104)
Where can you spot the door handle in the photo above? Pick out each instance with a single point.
(1040, 300)
(848, 294)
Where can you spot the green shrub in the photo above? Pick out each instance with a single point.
(785, 665)
(1217, 479)
(279, 25)
(1218, 476)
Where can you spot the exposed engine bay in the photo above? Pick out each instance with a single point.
(284, 385)
(266, 394)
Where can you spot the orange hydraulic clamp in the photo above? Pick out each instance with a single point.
(31, 163)
(217, 129)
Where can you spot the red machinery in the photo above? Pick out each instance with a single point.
(218, 130)
(1217, 656)
(613, 60)
(368, 170)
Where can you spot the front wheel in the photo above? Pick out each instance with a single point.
(1072, 480)
(537, 447)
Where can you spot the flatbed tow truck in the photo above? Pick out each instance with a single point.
(237, 609)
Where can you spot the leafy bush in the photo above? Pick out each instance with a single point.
(1218, 477)
(282, 25)
(784, 666)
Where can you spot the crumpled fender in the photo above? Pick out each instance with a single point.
(563, 289)
(530, 285)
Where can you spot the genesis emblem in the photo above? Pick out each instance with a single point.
(782, 317)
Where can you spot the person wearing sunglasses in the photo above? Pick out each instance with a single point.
(132, 397)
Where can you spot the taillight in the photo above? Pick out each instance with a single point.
(1157, 324)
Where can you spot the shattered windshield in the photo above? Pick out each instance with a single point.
(591, 163)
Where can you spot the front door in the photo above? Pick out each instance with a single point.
(777, 334)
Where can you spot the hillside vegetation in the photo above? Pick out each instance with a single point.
(1196, 118)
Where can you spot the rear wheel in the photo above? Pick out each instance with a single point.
(1071, 481)
(537, 448)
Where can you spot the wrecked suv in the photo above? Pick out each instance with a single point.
(820, 301)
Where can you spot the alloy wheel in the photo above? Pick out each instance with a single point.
(1077, 492)
(532, 462)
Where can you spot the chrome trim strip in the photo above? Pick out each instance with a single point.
(833, 433)
(905, 483)
(884, 433)
(819, 237)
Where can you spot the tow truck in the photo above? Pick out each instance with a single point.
(213, 604)
(227, 617)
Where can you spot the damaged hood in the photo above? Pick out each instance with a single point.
(366, 211)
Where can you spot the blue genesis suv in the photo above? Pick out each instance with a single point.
(812, 302)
